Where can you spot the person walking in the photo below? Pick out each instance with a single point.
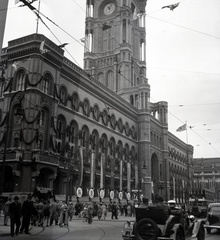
(70, 211)
(90, 212)
(26, 211)
(47, 213)
(104, 211)
(114, 210)
(53, 212)
(63, 214)
(40, 210)
(15, 216)
(6, 211)
(99, 212)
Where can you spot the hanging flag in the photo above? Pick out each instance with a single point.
(172, 6)
(105, 27)
(42, 49)
(15, 65)
(181, 128)
(63, 45)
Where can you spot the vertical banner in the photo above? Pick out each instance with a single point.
(128, 177)
(81, 166)
(112, 172)
(174, 189)
(121, 175)
(92, 171)
(102, 171)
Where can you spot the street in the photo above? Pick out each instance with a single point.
(79, 230)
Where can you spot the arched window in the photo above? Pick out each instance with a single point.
(101, 78)
(42, 118)
(16, 140)
(46, 82)
(110, 80)
(59, 128)
(124, 30)
(62, 95)
(20, 80)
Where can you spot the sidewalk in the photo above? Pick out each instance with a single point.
(5, 230)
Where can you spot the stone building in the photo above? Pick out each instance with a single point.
(206, 175)
(90, 131)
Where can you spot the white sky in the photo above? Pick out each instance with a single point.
(183, 58)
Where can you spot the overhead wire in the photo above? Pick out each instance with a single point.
(116, 40)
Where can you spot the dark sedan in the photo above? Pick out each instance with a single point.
(213, 217)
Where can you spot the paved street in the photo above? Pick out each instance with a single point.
(79, 230)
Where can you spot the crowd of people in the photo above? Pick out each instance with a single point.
(44, 213)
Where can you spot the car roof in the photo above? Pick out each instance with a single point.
(214, 204)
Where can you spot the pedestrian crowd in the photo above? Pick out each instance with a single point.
(44, 213)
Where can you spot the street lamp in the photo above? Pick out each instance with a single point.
(19, 112)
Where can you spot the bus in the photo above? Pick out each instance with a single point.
(199, 201)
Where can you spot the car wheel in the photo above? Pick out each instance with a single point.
(146, 229)
(208, 230)
(179, 235)
(201, 234)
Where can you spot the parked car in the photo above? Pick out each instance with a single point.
(152, 224)
(213, 217)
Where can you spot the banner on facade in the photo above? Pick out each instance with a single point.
(79, 192)
(91, 193)
(102, 194)
(120, 195)
(111, 195)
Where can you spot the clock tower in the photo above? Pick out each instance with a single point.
(115, 48)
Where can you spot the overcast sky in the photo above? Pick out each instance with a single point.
(183, 58)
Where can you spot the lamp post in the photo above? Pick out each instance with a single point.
(20, 112)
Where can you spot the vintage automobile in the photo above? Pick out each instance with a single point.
(152, 224)
(213, 217)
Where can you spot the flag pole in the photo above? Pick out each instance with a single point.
(38, 17)
(187, 162)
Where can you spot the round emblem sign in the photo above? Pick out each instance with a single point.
(91, 193)
(102, 194)
(112, 194)
(128, 196)
(120, 195)
(79, 192)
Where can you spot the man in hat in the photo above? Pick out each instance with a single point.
(160, 204)
(144, 203)
(15, 215)
(114, 210)
(27, 211)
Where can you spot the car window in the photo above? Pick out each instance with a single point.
(216, 209)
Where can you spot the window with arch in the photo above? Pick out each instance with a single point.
(42, 118)
(20, 80)
(124, 30)
(110, 80)
(72, 133)
(59, 128)
(40, 142)
(46, 82)
(101, 78)
(16, 140)
(62, 95)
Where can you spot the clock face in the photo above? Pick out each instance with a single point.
(109, 8)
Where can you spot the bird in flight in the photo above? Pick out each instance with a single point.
(172, 6)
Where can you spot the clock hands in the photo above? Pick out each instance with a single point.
(110, 6)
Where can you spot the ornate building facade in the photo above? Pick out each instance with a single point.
(92, 129)
(206, 175)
